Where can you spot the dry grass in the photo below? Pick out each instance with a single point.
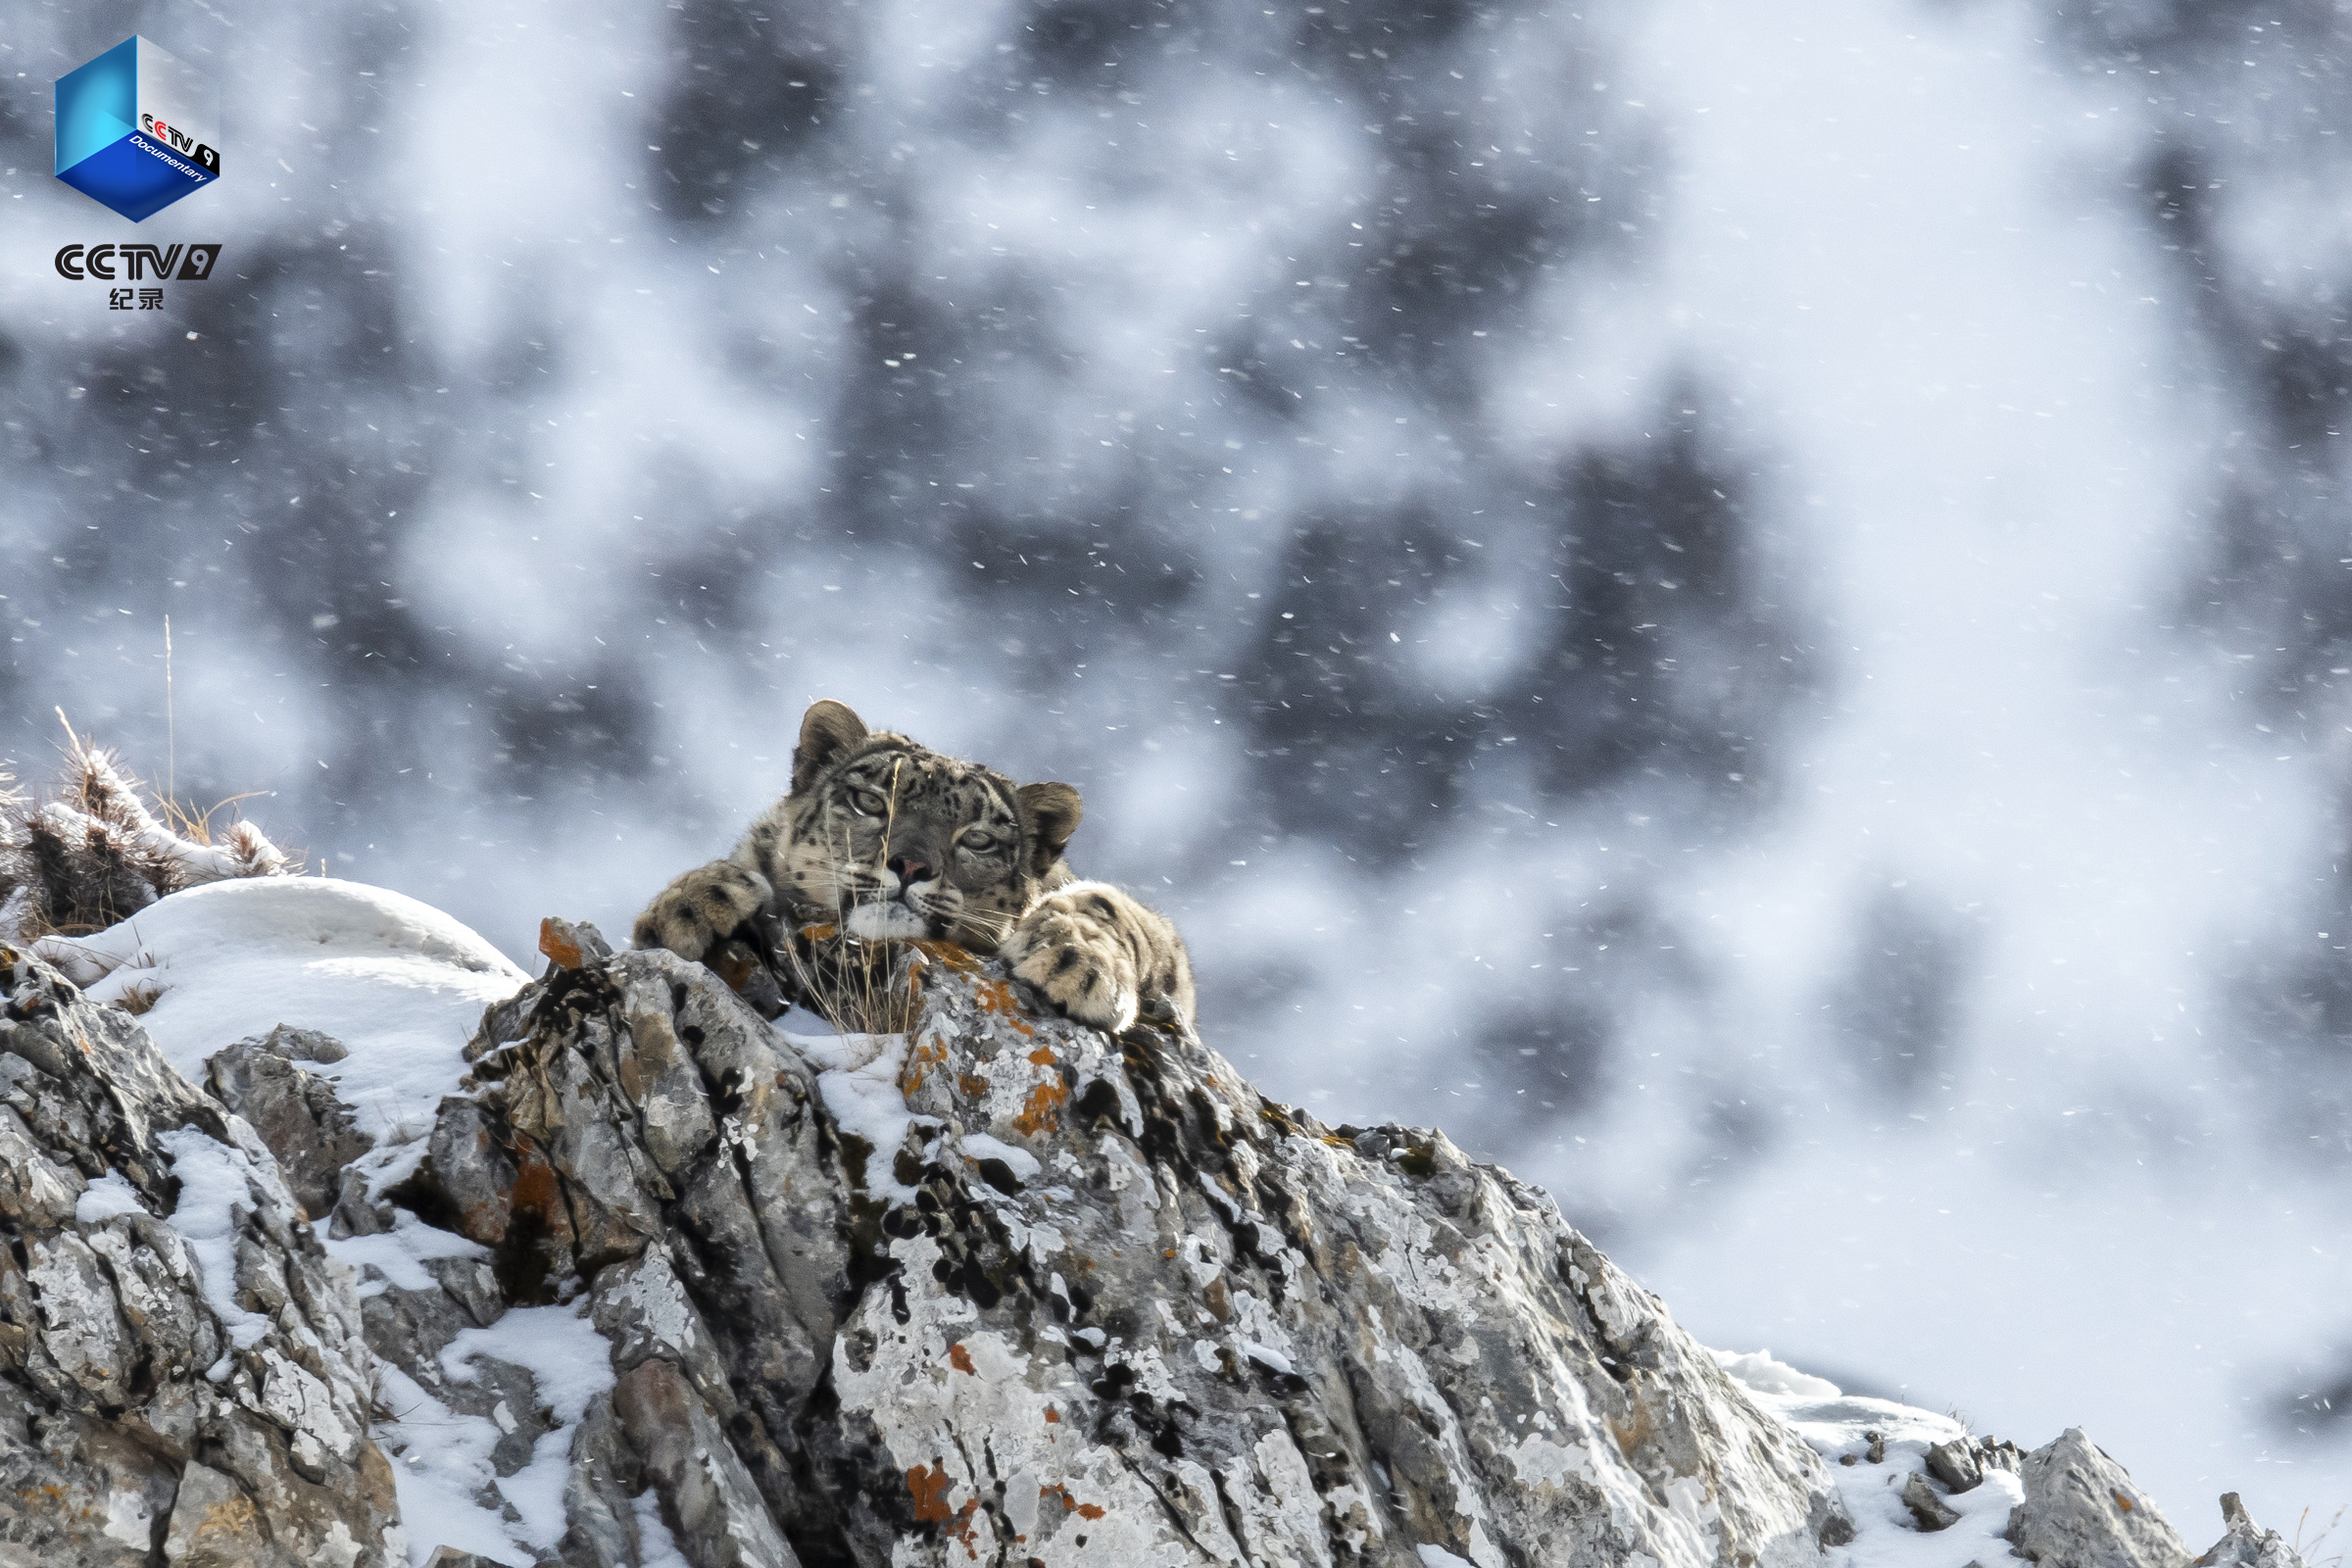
(103, 845)
(2308, 1550)
(859, 987)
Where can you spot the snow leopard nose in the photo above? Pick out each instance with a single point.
(908, 871)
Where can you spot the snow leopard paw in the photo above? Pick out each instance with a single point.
(1101, 958)
(700, 909)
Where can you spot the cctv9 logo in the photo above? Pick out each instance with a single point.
(181, 263)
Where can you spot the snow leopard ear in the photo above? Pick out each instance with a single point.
(1052, 810)
(827, 732)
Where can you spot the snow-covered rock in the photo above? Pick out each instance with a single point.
(234, 959)
(2246, 1545)
(1926, 1492)
(182, 1372)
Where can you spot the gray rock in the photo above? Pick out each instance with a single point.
(599, 1511)
(129, 1348)
(1955, 1463)
(312, 1132)
(1069, 1288)
(300, 1044)
(2246, 1545)
(1056, 1290)
(215, 1523)
(2082, 1511)
(111, 1495)
(707, 1497)
(570, 944)
(1928, 1508)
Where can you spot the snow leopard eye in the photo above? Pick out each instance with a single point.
(979, 840)
(866, 803)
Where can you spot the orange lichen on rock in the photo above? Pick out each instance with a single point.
(1041, 1111)
(1632, 1430)
(961, 1358)
(561, 951)
(972, 1085)
(537, 1195)
(950, 953)
(930, 1486)
(735, 964)
(994, 996)
(926, 1055)
(1084, 1510)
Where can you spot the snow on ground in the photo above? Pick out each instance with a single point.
(1838, 1425)
(451, 1494)
(441, 1469)
(397, 981)
(2206, 1285)
(443, 1463)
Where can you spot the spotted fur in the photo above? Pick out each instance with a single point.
(888, 840)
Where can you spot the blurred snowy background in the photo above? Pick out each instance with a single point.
(1746, 605)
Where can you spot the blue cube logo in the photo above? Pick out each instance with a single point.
(136, 129)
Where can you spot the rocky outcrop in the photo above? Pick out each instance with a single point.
(182, 1375)
(664, 1283)
(2246, 1545)
(298, 1115)
(1005, 1286)
(2081, 1510)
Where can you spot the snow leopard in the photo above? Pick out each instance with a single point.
(887, 840)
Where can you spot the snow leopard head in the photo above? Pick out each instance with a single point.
(889, 839)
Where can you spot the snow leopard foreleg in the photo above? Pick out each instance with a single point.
(701, 909)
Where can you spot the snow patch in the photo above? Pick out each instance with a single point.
(397, 981)
(569, 1364)
(401, 1254)
(215, 1180)
(1267, 1356)
(979, 1145)
(110, 1194)
(440, 1464)
(656, 1546)
(1885, 1534)
(1757, 1372)
(859, 1077)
